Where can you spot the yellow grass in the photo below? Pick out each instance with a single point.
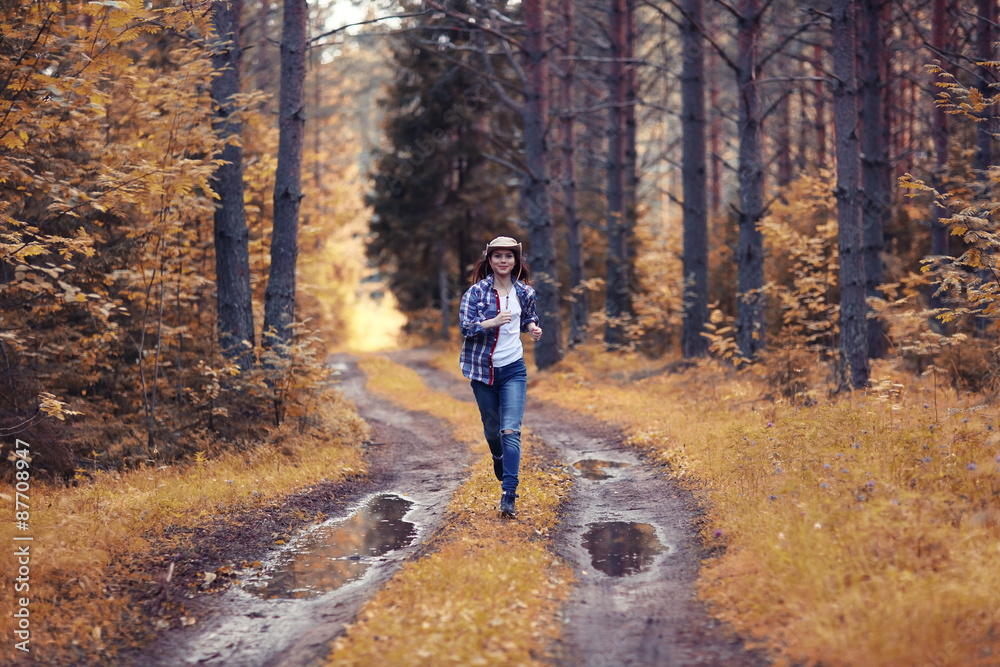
(490, 592)
(840, 544)
(85, 535)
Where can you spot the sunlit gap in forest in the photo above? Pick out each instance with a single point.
(357, 311)
(375, 324)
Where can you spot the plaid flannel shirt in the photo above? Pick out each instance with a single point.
(481, 302)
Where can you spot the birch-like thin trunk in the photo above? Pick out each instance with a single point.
(853, 328)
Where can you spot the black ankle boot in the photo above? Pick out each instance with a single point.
(507, 504)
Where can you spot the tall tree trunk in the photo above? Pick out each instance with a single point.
(617, 304)
(876, 187)
(232, 254)
(939, 134)
(820, 104)
(986, 11)
(784, 141)
(695, 259)
(279, 297)
(317, 125)
(580, 298)
(987, 125)
(443, 296)
(714, 135)
(801, 150)
(263, 47)
(904, 149)
(853, 328)
(548, 350)
(631, 164)
(750, 315)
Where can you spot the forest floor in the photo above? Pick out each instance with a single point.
(628, 532)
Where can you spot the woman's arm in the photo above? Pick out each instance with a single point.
(528, 315)
(472, 320)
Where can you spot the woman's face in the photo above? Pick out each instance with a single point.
(503, 262)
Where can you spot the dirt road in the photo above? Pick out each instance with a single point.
(289, 616)
(627, 531)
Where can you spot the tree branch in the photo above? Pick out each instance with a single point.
(367, 22)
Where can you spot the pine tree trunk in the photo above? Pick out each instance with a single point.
(263, 47)
(939, 134)
(631, 163)
(987, 126)
(985, 36)
(802, 150)
(443, 296)
(617, 305)
(580, 307)
(876, 201)
(784, 143)
(542, 258)
(820, 102)
(750, 322)
(232, 254)
(853, 328)
(279, 297)
(714, 135)
(695, 259)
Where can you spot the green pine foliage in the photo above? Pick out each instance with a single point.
(437, 199)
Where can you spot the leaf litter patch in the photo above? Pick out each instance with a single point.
(622, 548)
(338, 552)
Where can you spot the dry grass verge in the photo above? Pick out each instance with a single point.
(490, 592)
(87, 538)
(858, 531)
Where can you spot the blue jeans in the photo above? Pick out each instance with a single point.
(501, 405)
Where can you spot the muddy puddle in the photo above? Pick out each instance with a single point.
(597, 469)
(621, 548)
(333, 554)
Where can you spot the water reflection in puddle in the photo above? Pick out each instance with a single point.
(594, 468)
(621, 548)
(333, 555)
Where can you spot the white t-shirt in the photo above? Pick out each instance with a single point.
(509, 348)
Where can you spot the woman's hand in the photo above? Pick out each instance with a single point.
(534, 331)
(494, 322)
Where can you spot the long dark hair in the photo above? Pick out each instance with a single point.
(521, 271)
